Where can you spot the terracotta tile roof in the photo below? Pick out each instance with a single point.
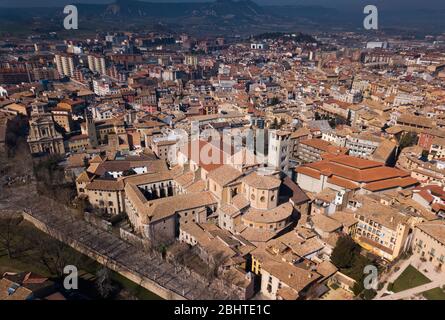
(294, 277)
(299, 246)
(391, 183)
(384, 215)
(258, 181)
(230, 210)
(106, 185)
(324, 146)
(256, 235)
(325, 223)
(287, 293)
(355, 162)
(347, 219)
(289, 189)
(344, 183)
(353, 169)
(326, 269)
(83, 177)
(224, 175)
(197, 186)
(308, 171)
(274, 215)
(240, 202)
(435, 229)
(164, 207)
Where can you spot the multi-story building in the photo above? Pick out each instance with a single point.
(381, 229)
(65, 64)
(429, 243)
(362, 145)
(437, 149)
(312, 150)
(96, 63)
(63, 119)
(102, 87)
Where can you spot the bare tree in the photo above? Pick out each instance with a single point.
(8, 232)
(215, 262)
(104, 283)
(53, 254)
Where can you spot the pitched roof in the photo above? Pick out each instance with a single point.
(258, 181)
(435, 229)
(224, 175)
(325, 223)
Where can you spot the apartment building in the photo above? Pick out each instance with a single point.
(429, 243)
(96, 63)
(65, 64)
(312, 150)
(381, 229)
(362, 145)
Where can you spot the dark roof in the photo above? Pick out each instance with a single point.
(291, 190)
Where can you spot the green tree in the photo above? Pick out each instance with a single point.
(344, 252)
(274, 101)
(409, 139)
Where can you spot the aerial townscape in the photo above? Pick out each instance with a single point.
(173, 163)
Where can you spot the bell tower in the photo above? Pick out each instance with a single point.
(91, 129)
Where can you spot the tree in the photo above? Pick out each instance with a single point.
(344, 252)
(8, 230)
(369, 294)
(274, 101)
(128, 172)
(104, 283)
(407, 140)
(53, 254)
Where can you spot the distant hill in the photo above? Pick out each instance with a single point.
(222, 17)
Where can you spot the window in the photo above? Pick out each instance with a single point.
(262, 199)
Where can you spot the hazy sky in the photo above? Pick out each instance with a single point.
(340, 4)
